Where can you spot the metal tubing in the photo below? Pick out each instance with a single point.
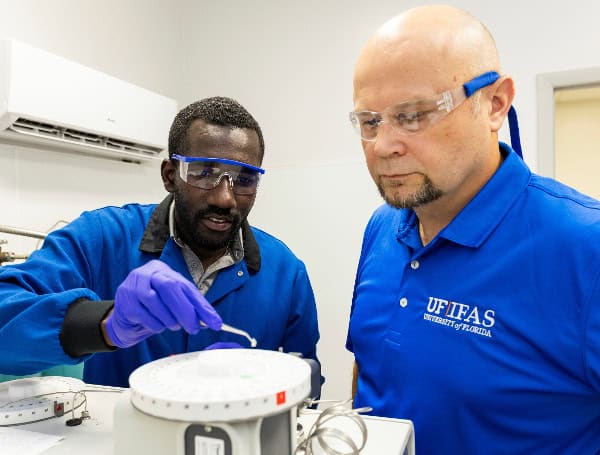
(23, 232)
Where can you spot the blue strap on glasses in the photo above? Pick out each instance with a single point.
(513, 123)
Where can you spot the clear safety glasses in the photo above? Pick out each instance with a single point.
(207, 173)
(411, 117)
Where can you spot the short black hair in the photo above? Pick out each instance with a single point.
(217, 110)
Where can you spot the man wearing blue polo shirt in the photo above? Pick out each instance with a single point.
(476, 307)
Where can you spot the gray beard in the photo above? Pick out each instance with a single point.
(427, 193)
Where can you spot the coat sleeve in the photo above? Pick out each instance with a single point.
(35, 296)
(302, 332)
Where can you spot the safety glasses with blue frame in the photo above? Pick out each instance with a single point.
(207, 173)
(414, 116)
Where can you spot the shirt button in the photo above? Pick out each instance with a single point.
(403, 302)
(414, 265)
(240, 273)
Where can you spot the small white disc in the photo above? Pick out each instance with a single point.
(31, 399)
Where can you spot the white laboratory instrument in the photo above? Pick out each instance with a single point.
(216, 402)
(30, 400)
(217, 423)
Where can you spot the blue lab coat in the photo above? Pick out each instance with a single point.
(268, 294)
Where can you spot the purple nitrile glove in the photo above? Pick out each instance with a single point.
(223, 345)
(154, 297)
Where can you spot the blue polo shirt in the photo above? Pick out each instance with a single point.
(488, 338)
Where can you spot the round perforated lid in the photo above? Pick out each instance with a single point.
(31, 399)
(220, 385)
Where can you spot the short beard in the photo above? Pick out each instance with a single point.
(187, 222)
(426, 193)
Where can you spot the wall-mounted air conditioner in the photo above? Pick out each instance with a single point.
(49, 102)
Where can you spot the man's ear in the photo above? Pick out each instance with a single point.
(502, 98)
(167, 172)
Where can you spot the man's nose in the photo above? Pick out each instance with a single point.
(389, 141)
(222, 194)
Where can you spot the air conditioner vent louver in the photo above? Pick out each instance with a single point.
(47, 131)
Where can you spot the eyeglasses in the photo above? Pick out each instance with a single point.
(411, 117)
(207, 173)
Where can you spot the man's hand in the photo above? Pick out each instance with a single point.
(153, 298)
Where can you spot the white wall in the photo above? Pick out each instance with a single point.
(135, 40)
(290, 63)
